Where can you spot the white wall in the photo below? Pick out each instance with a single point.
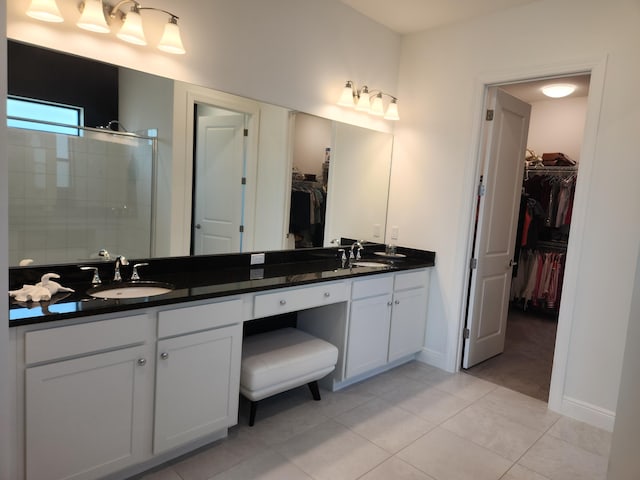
(312, 137)
(624, 463)
(146, 101)
(433, 177)
(558, 126)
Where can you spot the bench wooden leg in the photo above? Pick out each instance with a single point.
(252, 413)
(315, 391)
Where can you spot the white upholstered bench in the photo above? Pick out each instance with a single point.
(280, 360)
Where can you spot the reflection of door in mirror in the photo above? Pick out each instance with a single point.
(311, 144)
(218, 187)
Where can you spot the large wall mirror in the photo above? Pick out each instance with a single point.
(176, 169)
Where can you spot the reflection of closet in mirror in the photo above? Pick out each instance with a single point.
(218, 185)
(311, 149)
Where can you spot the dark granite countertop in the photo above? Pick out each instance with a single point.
(195, 278)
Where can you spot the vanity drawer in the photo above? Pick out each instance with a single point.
(85, 338)
(372, 287)
(291, 300)
(414, 279)
(201, 317)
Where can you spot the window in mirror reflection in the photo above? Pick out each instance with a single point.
(43, 116)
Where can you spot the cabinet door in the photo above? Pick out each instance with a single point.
(83, 416)
(408, 320)
(197, 383)
(368, 334)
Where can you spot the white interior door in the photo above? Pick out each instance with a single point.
(504, 153)
(219, 170)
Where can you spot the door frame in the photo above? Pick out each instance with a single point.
(596, 68)
(185, 97)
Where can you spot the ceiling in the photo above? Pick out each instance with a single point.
(532, 91)
(410, 16)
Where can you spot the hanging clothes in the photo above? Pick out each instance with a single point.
(543, 233)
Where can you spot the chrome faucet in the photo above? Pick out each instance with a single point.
(359, 247)
(121, 260)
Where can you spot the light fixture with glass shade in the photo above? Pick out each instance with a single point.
(131, 30)
(96, 16)
(92, 17)
(363, 104)
(559, 90)
(369, 101)
(348, 95)
(45, 10)
(171, 41)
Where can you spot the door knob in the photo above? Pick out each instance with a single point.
(512, 263)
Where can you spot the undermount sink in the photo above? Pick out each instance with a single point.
(134, 289)
(359, 263)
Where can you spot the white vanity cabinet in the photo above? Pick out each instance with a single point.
(387, 320)
(87, 397)
(197, 372)
(408, 314)
(369, 321)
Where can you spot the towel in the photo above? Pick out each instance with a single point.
(41, 291)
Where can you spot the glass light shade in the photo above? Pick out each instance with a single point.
(392, 110)
(92, 18)
(377, 108)
(45, 10)
(559, 90)
(171, 41)
(346, 99)
(363, 104)
(131, 30)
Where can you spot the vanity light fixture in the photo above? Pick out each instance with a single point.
(45, 10)
(369, 101)
(97, 15)
(131, 30)
(559, 90)
(92, 17)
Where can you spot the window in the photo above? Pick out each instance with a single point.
(43, 116)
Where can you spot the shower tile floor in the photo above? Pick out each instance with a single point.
(415, 422)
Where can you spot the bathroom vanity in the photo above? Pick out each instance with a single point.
(110, 388)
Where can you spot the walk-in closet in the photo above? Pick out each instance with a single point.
(546, 205)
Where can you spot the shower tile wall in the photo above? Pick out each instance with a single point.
(70, 196)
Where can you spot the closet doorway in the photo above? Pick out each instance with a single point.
(554, 142)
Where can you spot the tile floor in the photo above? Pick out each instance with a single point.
(413, 423)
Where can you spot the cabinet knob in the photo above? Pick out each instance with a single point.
(397, 302)
(142, 362)
(283, 302)
(327, 294)
(164, 355)
(389, 303)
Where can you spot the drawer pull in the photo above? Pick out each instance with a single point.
(164, 355)
(142, 362)
(283, 302)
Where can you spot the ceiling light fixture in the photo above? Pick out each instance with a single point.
(45, 10)
(97, 14)
(368, 101)
(559, 90)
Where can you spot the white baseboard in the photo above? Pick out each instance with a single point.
(588, 413)
(433, 358)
